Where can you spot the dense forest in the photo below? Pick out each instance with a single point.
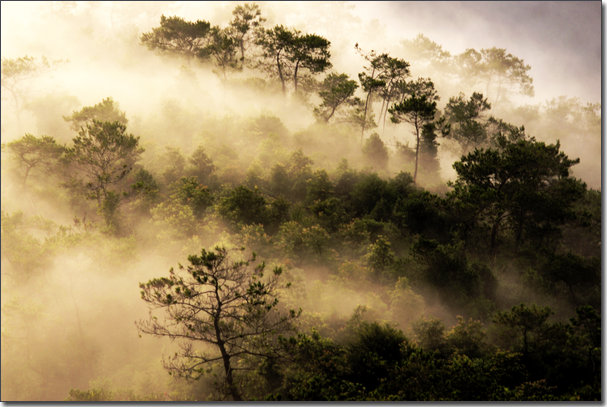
(413, 232)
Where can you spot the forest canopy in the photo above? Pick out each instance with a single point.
(247, 218)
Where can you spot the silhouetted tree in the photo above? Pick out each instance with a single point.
(222, 301)
(178, 36)
(417, 108)
(247, 18)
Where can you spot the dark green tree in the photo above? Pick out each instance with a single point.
(417, 108)
(526, 185)
(465, 121)
(309, 52)
(178, 36)
(336, 90)
(527, 322)
(276, 44)
(370, 81)
(189, 191)
(102, 156)
(395, 71)
(222, 50)
(428, 154)
(244, 205)
(384, 75)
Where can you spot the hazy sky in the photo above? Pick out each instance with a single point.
(560, 40)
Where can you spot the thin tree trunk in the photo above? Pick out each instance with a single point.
(362, 133)
(282, 80)
(331, 115)
(27, 171)
(295, 75)
(381, 110)
(385, 114)
(416, 150)
(366, 107)
(224, 354)
(242, 51)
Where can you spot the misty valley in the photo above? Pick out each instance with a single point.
(236, 206)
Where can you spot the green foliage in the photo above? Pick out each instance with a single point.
(288, 52)
(276, 44)
(515, 226)
(105, 111)
(418, 108)
(317, 371)
(310, 52)
(36, 153)
(380, 257)
(303, 242)
(430, 335)
(468, 337)
(375, 152)
(384, 75)
(174, 164)
(526, 184)
(177, 36)
(146, 188)
(526, 324)
(201, 166)
(102, 156)
(577, 274)
(222, 49)
(374, 352)
(336, 90)
(244, 205)
(464, 119)
(177, 216)
(448, 269)
(188, 191)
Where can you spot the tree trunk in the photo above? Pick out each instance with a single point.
(228, 369)
(282, 79)
(381, 110)
(331, 115)
(295, 75)
(27, 171)
(224, 354)
(416, 150)
(362, 133)
(385, 114)
(242, 52)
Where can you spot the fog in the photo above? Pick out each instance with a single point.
(71, 297)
